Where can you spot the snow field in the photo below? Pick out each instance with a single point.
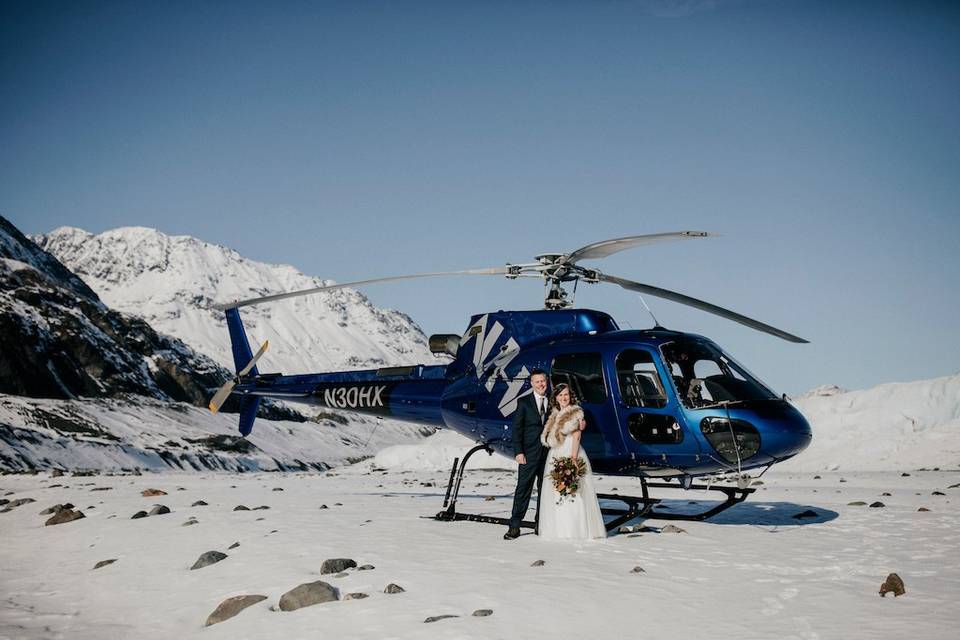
(753, 572)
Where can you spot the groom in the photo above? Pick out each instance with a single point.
(528, 422)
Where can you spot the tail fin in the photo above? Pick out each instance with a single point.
(245, 364)
(242, 355)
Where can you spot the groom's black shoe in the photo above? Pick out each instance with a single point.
(512, 534)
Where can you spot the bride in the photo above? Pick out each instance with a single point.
(571, 517)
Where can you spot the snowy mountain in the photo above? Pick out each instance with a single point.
(901, 426)
(171, 282)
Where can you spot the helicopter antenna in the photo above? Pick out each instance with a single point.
(656, 323)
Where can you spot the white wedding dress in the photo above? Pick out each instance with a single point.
(573, 518)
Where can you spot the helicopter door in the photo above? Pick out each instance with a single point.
(584, 373)
(651, 423)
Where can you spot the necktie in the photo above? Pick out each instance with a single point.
(543, 410)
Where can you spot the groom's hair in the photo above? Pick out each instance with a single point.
(539, 372)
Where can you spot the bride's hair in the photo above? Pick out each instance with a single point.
(563, 386)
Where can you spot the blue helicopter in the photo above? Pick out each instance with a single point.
(660, 405)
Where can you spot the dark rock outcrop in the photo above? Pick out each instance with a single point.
(63, 516)
(231, 607)
(208, 558)
(443, 617)
(308, 594)
(57, 508)
(893, 584)
(336, 565)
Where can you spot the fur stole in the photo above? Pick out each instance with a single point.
(560, 424)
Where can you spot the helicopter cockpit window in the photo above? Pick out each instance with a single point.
(583, 372)
(639, 382)
(704, 376)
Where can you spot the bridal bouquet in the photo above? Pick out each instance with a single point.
(566, 474)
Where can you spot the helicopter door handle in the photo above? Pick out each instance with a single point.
(470, 407)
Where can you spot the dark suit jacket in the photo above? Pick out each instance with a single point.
(526, 429)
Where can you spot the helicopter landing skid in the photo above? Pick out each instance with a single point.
(450, 513)
(645, 507)
(637, 506)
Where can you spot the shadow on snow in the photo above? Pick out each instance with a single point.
(747, 512)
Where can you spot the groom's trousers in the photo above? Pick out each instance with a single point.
(527, 474)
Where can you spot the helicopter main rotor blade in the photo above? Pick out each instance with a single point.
(492, 271)
(606, 248)
(700, 304)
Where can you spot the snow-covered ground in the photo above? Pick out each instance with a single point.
(137, 433)
(753, 572)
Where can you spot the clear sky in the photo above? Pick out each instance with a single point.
(362, 139)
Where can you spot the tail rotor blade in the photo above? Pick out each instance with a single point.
(224, 392)
(221, 396)
(253, 361)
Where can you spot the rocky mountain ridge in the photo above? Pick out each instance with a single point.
(59, 340)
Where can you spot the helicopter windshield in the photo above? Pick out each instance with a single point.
(705, 376)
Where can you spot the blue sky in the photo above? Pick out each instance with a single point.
(361, 139)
